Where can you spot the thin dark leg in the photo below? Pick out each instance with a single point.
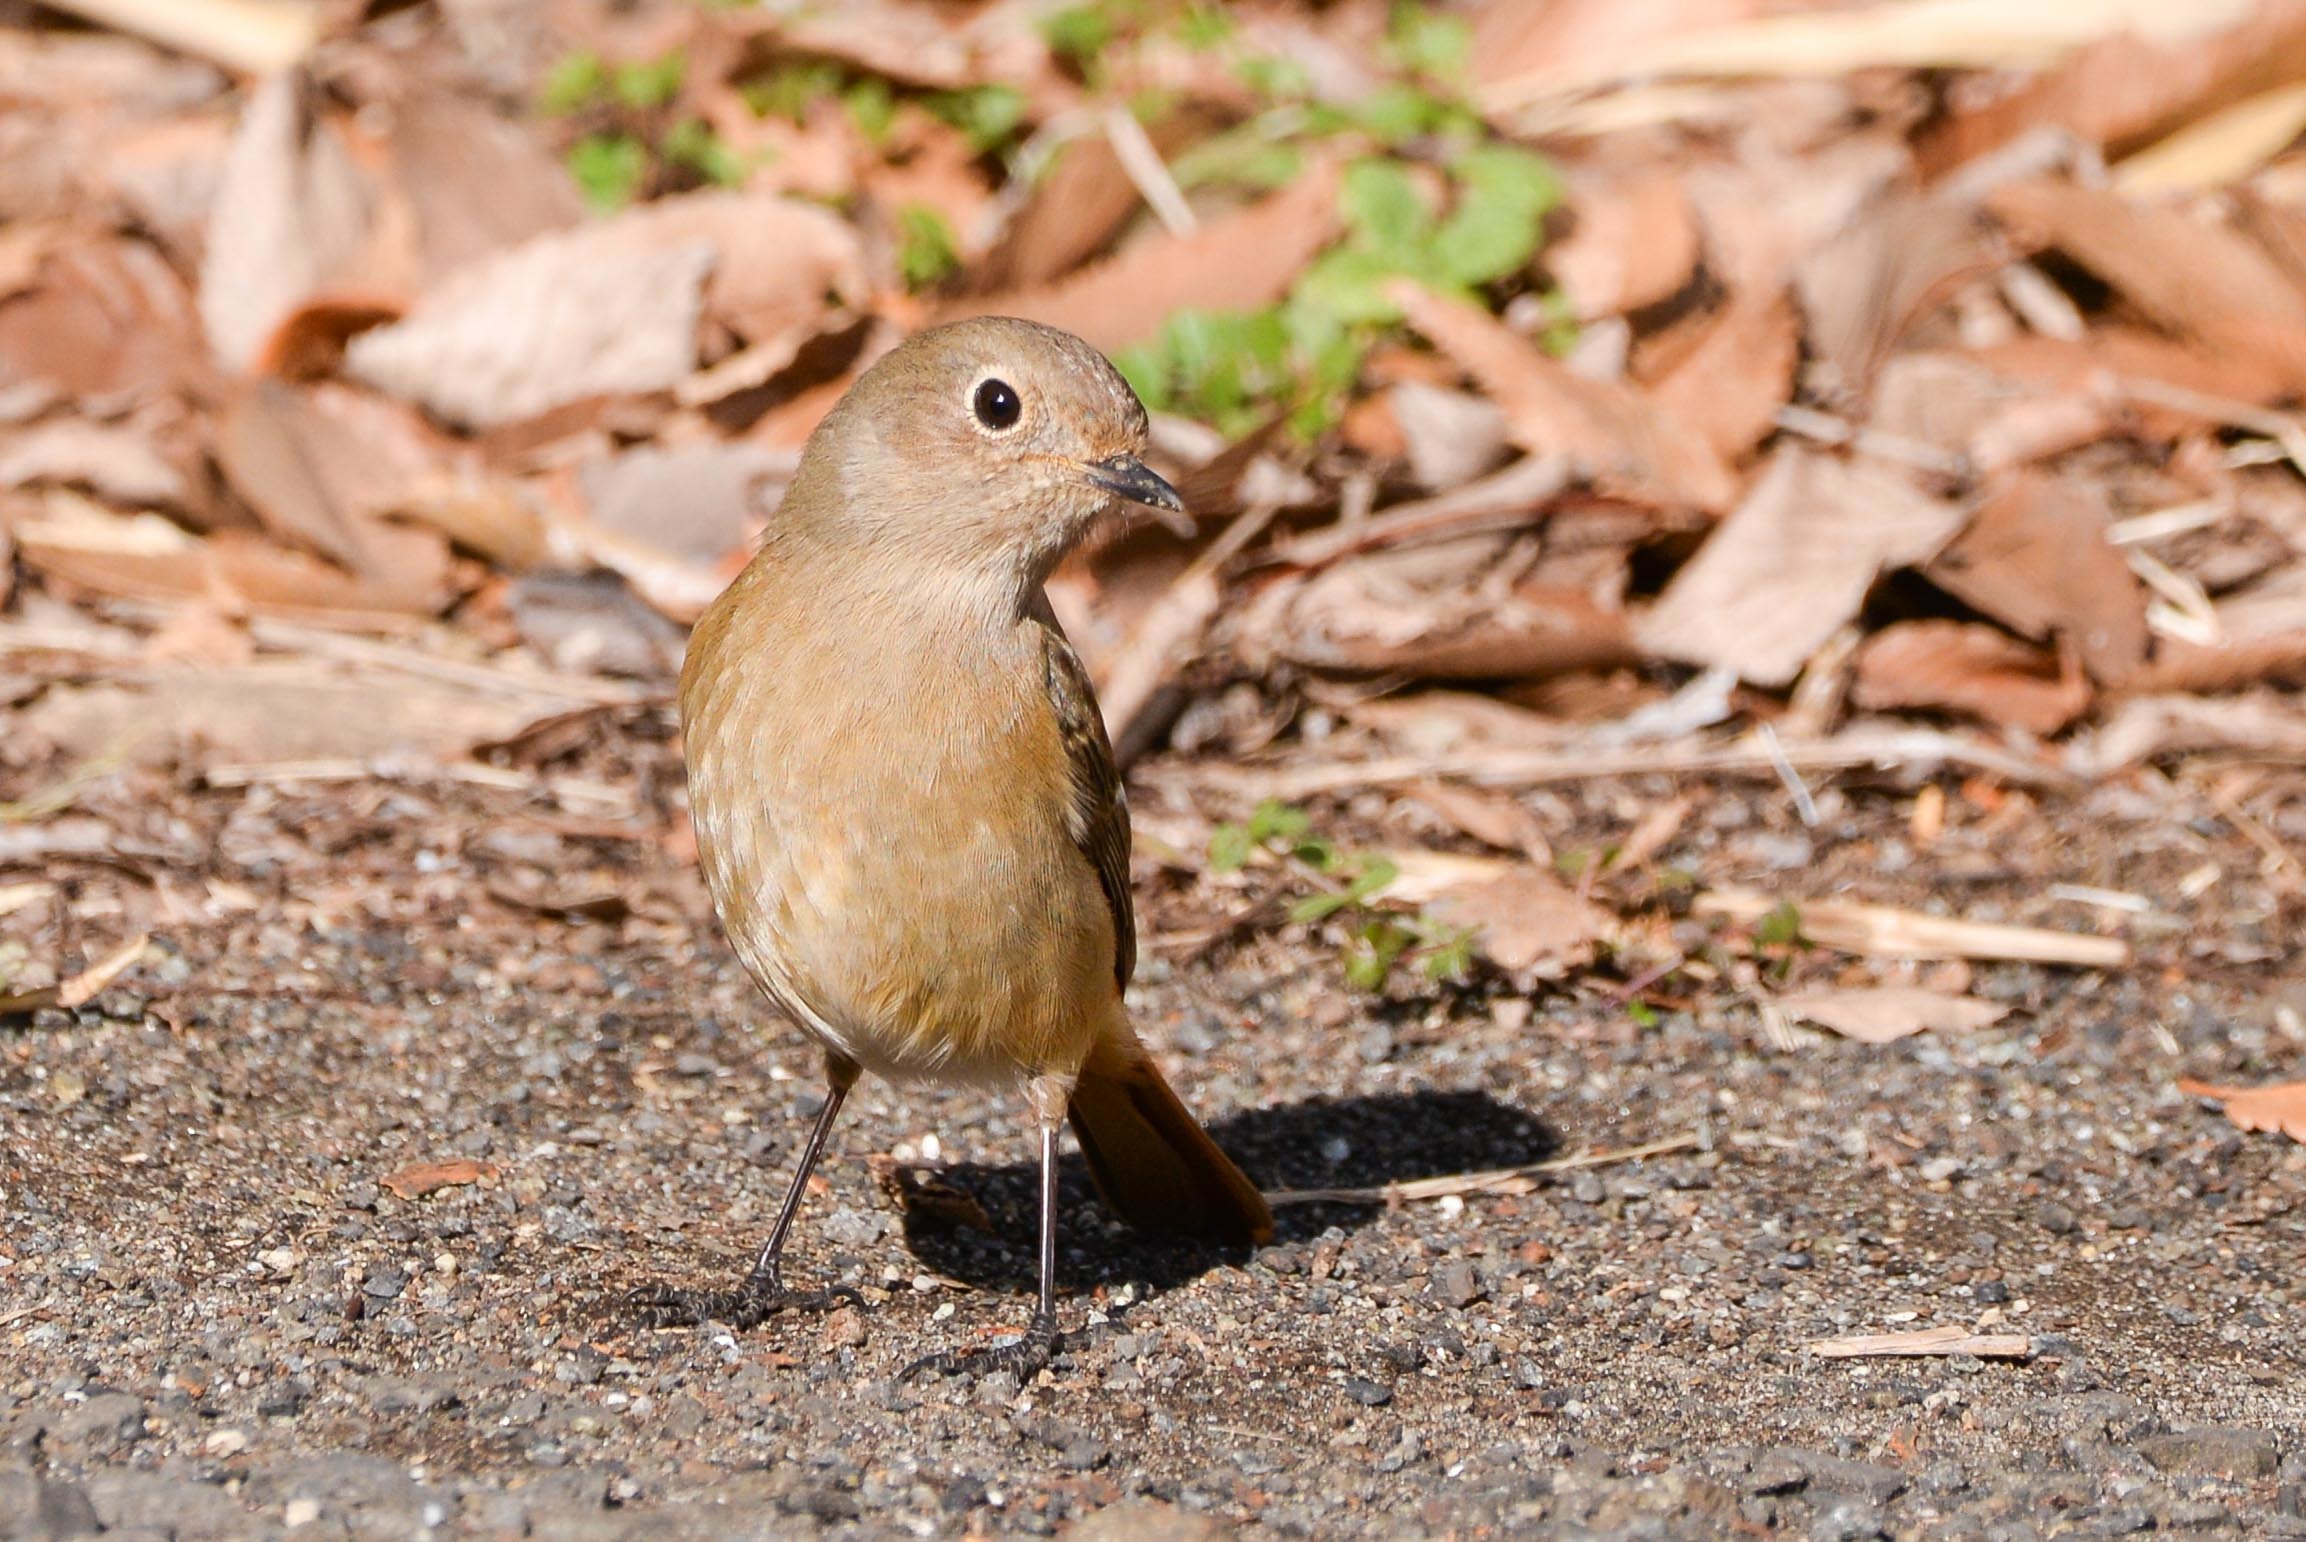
(1028, 1354)
(763, 1293)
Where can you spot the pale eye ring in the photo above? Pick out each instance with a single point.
(997, 405)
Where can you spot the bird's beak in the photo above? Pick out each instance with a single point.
(1128, 477)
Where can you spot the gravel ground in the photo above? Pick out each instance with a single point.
(219, 1321)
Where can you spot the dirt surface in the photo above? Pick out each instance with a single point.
(220, 1319)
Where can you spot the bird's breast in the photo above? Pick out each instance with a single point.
(882, 831)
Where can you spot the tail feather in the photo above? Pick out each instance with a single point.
(1151, 1159)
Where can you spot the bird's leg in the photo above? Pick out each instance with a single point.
(763, 1293)
(1029, 1353)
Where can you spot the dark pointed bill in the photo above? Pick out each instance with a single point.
(1128, 477)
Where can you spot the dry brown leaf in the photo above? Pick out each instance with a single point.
(1879, 1014)
(117, 462)
(1527, 921)
(1634, 244)
(418, 1179)
(1727, 389)
(1449, 437)
(1514, 38)
(1493, 818)
(2203, 281)
(1616, 437)
(257, 37)
(613, 307)
(1076, 207)
(1427, 611)
(477, 182)
(1792, 564)
(1239, 261)
(1948, 1340)
(2125, 90)
(294, 215)
(925, 1193)
(2151, 727)
(270, 712)
(1965, 667)
(2035, 558)
(1863, 289)
(104, 319)
(2280, 1106)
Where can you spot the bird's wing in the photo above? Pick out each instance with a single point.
(1096, 810)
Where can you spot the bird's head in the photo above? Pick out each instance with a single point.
(986, 447)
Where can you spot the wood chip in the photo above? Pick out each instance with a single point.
(1925, 1341)
(1880, 931)
(418, 1179)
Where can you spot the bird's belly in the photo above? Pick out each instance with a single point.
(926, 920)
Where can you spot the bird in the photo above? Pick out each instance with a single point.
(906, 806)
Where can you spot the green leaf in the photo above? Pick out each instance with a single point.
(1078, 33)
(1319, 853)
(574, 83)
(1146, 366)
(650, 83)
(1251, 155)
(1384, 208)
(872, 107)
(1451, 959)
(1229, 847)
(1345, 286)
(1273, 77)
(1781, 928)
(1428, 42)
(609, 169)
(925, 249)
(1318, 907)
(1398, 111)
(1364, 970)
(793, 90)
(1376, 873)
(1275, 820)
(1203, 27)
(987, 116)
(693, 144)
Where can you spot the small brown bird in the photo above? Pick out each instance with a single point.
(906, 806)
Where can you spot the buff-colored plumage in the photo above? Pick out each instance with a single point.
(905, 806)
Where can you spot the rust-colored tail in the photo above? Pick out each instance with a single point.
(1153, 1162)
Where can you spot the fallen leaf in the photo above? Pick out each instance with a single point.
(1962, 666)
(117, 462)
(1728, 387)
(1527, 920)
(1076, 206)
(1864, 288)
(104, 319)
(1633, 243)
(2151, 727)
(1616, 438)
(2280, 1106)
(1493, 818)
(2035, 557)
(294, 215)
(613, 307)
(1879, 1014)
(2126, 89)
(1948, 1340)
(1791, 564)
(1449, 437)
(419, 1179)
(1238, 261)
(2201, 280)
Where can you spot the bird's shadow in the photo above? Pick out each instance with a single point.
(1319, 1143)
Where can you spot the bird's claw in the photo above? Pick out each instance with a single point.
(748, 1306)
(1020, 1357)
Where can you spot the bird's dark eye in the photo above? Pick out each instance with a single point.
(997, 405)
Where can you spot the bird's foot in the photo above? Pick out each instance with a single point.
(754, 1302)
(1020, 1357)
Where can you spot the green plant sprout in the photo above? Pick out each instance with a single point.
(627, 141)
(1345, 886)
(926, 252)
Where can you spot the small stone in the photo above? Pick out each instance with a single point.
(107, 1419)
(1846, 1518)
(283, 1399)
(299, 1512)
(1144, 1520)
(844, 1329)
(1990, 1292)
(2057, 1220)
(385, 1282)
(1369, 1394)
(2214, 1451)
(1456, 1284)
(225, 1443)
(35, 1507)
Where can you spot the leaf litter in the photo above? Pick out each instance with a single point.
(1833, 402)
